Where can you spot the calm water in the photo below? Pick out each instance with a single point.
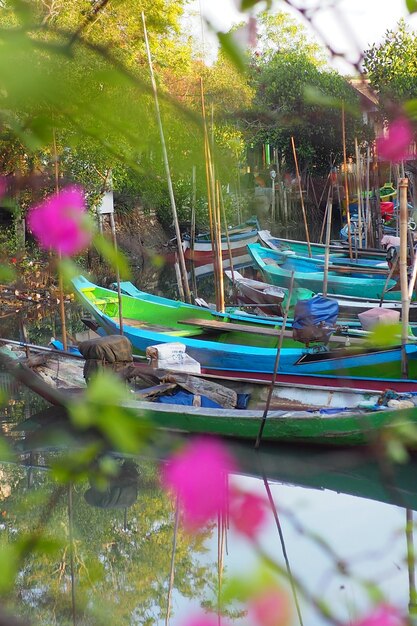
(342, 526)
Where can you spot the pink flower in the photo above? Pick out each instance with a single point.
(198, 476)
(394, 147)
(247, 512)
(384, 615)
(270, 608)
(3, 186)
(58, 223)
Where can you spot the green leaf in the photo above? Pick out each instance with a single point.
(9, 559)
(24, 11)
(246, 5)
(232, 50)
(7, 274)
(396, 451)
(385, 335)
(106, 388)
(5, 452)
(411, 6)
(115, 258)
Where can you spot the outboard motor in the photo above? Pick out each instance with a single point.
(315, 320)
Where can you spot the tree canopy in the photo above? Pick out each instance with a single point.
(391, 67)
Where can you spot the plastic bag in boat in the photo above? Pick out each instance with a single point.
(314, 319)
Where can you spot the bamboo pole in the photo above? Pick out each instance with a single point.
(178, 277)
(283, 546)
(276, 364)
(167, 168)
(301, 197)
(359, 193)
(323, 226)
(211, 199)
(411, 563)
(172, 567)
(368, 229)
(219, 248)
(403, 274)
(119, 292)
(413, 277)
(193, 204)
(60, 279)
(346, 182)
(329, 211)
(226, 229)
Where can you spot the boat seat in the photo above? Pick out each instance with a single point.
(108, 305)
(175, 332)
(214, 325)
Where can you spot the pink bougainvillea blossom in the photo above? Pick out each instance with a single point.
(3, 186)
(59, 222)
(270, 608)
(247, 512)
(198, 476)
(384, 615)
(394, 146)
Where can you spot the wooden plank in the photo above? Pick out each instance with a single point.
(216, 326)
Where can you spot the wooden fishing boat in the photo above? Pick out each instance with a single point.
(349, 306)
(267, 299)
(235, 242)
(224, 346)
(313, 427)
(277, 268)
(338, 250)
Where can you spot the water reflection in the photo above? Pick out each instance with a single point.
(109, 546)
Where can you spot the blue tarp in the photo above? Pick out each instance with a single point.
(314, 311)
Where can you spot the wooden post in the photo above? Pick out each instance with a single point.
(329, 211)
(403, 274)
(346, 183)
(167, 168)
(301, 197)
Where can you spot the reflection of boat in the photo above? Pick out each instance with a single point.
(353, 472)
(277, 269)
(234, 242)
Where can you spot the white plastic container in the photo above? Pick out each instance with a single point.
(172, 356)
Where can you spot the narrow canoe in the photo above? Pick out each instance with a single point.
(277, 269)
(312, 427)
(318, 249)
(226, 347)
(235, 242)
